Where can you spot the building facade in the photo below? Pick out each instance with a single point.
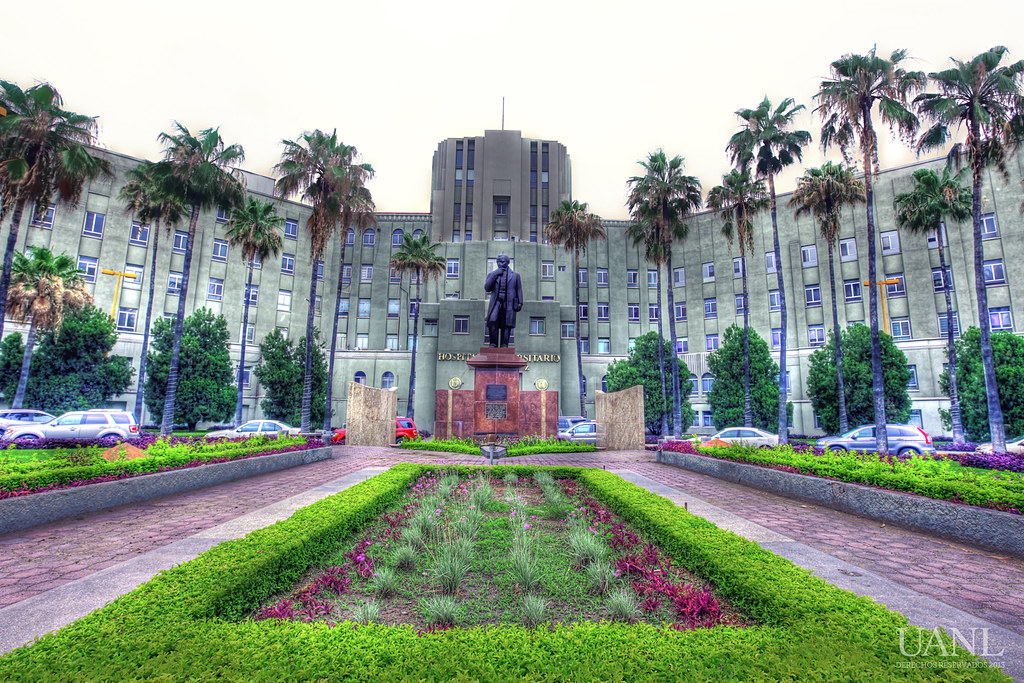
(493, 194)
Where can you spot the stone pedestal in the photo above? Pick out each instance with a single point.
(620, 419)
(371, 415)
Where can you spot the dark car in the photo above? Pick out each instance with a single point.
(903, 440)
(404, 429)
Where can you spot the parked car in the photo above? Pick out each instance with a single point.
(404, 429)
(79, 424)
(270, 428)
(19, 418)
(581, 431)
(564, 422)
(1012, 446)
(903, 440)
(743, 436)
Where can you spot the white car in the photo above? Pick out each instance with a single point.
(269, 428)
(1012, 446)
(745, 436)
(21, 418)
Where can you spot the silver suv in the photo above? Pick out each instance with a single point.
(79, 424)
(903, 440)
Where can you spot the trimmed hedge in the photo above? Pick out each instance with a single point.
(515, 449)
(177, 626)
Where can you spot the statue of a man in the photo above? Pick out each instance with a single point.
(506, 300)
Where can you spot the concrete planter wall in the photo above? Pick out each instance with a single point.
(38, 508)
(1002, 532)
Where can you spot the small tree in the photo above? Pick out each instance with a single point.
(12, 350)
(823, 390)
(727, 396)
(280, 373)
(641, 367)
(1008, 356)
(205, 391)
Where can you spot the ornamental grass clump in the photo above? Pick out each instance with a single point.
(413, 536)
(524, 570)
(585, 547)
(510, 479)
(441, 610)
(405, 556)
(622, 606)
(384, 582)
(451, 564)
(534, 607)
(468, 525)
(601, 576)
(367, 613)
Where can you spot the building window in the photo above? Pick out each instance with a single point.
(394, 276)
(898, 288)
(633, 312)
(215, 289)
(394, 307)
(93, 224)
(173, 282)
(453, 268)
(631, 344)
(900, 329)
(288, 264)
(776, 337)
(603, 345)
(220, 250)
(584, 311)
(711, 342)
(739, 267)
(652, 279)
(769, 261)
(350, 238)
(632, 278)
(933, 237)
(653, 312)
(319, 269)
(250, 334)
(366, 273)
(851, 288)
(537, 326)
(387, 379)
(246, 376)
(739, 304)
(346, 272)
(682, 345)
(988, 226)
(809, 255)
(812, 295)
(1000, 318)
(391, 344)
(342, 306)
(584, 345)
(44, 219)
(284, 300)
(848, 249)
(362, 342)
(370, 239)
(680, 310)
(460, 324)
(139, 234)
(937, 279)
(126, 318)
(291, 228)
(414, 308)
(710, 308)
(138, 272)
(816, 335)
(916, 419)
(694, 388)
(430, 327)
(912, 382)
(396, 238)
(706, 414)
(789, 383)
(547, 270)
(708, 269)
(581, 277)
(602, 277)
(252, 294)
(706, 382)
(994, 272)
(890, 242)
(602, 311)
(318, 305)
(696, 413)
(180, 242)
(363, 311)
(943, 326)
(774, 300)
(568, 330)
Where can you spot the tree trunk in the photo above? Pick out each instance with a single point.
(167, 425)
(26, 362)
(140, 393)
(410, 407)
(844, 422)
(783, 384)
(995, 411)
(954, 400)
(12, 245)
(307, 378)
(877, 384)
(677, 415)
(748, 418)
(579, 343)
(328, 411)
(241, 360)
(661, 363)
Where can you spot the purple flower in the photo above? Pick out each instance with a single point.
(526, 526)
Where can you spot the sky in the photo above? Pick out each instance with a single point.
(612, 81)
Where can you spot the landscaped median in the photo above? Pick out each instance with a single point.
(517, 446)
(191, 622)
(75, 481)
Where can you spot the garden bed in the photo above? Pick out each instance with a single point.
(190, 622)
(516, 446)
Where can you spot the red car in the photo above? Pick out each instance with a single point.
(404, 429)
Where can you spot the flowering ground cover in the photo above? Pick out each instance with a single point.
(516, 445)
(479, 551)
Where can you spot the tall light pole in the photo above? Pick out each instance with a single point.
(117, 288)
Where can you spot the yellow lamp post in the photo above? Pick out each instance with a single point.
(881, 292)
(117, 288)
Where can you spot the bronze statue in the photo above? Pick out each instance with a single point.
(506, 300)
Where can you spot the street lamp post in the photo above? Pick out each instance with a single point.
(117, 288)
(881, 292)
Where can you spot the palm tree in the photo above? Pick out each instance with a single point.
(645, 232)
(986, 99)
(44, 287)
(357, 212)
(823, 192)
(419, 257)
(856, 86)
(44, 151)
(662, 199)
(149, 204)
(254, 228)
(573, 227)
(922, 211)
(736, 201)
(196, 169)
(316, 166)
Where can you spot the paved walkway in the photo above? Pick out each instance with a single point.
(979, 583)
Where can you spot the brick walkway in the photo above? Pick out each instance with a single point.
(973, 580)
